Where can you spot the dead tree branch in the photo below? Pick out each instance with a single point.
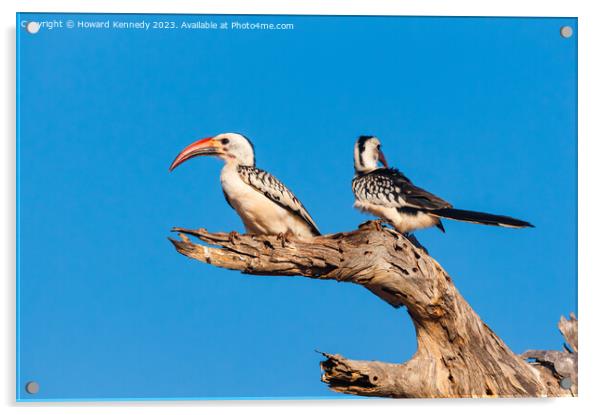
(458, 354)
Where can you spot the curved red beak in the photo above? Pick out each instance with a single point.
(382, 159)
(203, 147)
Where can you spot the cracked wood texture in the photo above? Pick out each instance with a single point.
(458, 354)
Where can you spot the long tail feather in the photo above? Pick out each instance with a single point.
(481, 218)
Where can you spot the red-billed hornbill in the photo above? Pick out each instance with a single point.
(390, 195)
(264, 204)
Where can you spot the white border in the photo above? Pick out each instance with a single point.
(350, 7)
(590, 135)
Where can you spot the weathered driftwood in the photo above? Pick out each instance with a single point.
(562, 363)
(458, 354)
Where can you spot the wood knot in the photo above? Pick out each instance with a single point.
(435, 311)
(268, 244)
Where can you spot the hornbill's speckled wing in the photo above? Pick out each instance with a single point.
(391, 188)
(276, 191)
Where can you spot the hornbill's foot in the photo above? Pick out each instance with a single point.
(285, 238)
(379, 224)
(375, 224)
(233, 237)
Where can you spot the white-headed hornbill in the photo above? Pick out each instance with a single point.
(264, 204)
(387, 193)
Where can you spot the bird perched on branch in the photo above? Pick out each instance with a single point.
(389, 194)
(265, 205)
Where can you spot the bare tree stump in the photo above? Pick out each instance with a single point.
(458, 354)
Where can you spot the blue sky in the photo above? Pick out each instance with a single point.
(482, 112)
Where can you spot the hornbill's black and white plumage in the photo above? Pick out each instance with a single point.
(265, 205)
(390, 195)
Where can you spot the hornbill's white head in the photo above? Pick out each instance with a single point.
(230, 147)
(367, 154)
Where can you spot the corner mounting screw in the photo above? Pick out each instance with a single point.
(566, 383)
(566, 31)
(32, 27)
(32, 387)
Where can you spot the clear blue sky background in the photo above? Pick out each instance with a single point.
(482, 112)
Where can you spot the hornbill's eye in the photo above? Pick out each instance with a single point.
(225, 141)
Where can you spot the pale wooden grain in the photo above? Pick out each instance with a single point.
(458, 354)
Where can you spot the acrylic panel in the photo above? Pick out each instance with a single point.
(480, 112)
